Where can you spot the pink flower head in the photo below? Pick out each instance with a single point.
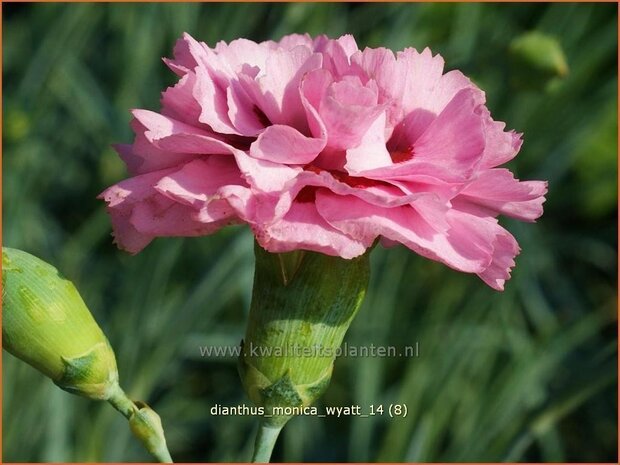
(320, 146)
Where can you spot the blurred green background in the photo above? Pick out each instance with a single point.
(529, 374)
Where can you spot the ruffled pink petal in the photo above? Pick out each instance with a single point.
(462, 249)
(344, 112)
(286, 145)
(471, 235)
(199, 181)
(241, 199)
(242, 52)
(449, 149)
(501, 146)
(264, 175)
(160, 216)
(496, 191)
(446, 191)
(132, 161)
(371, 153)
(175, 136)
(424, 86)
(213, 100)
(188, 54)
(303, 228)
(412, 81)
(380, 66)
(347, 110)
(505, 249)
(345, 42)
(453, 143)
(121, 200)
(449, 85)
(143, 156)
(404, 81)
(291, 41)
(209, 84)
(409, 130)
(140, 212)
(380, 194)
(336, 53)
(178, 101)
(348, 44)
(243, 114)
(276, 90)
(313, 87)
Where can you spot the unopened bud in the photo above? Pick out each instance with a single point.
(46, 323)
(146, 425)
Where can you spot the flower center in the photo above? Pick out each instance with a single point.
(308, 193)
(262, 117)
(399, 156)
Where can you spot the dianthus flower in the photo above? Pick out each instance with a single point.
(320, 146)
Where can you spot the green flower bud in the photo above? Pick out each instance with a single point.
(538, 60)
(302, 305)
(46, 323)
(146, 425)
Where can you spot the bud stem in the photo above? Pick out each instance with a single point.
(265, 441)
(119, 400)
(155, 445)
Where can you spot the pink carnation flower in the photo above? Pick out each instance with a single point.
(320, 146)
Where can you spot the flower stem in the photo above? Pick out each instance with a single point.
(265, 441)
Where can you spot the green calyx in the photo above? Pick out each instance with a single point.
(46, 323)
(92, 375)
(302, 305)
